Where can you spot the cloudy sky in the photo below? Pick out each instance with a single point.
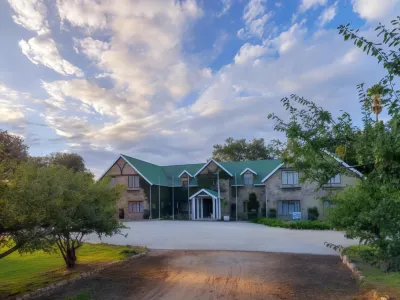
(166, 80)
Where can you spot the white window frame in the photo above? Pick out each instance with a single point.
(290, 177)
(133, 182)
(249, 180)
(135, 206)
(281, 211)
(335, 179)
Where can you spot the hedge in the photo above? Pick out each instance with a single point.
(301, 224)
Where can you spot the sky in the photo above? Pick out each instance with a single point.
(164, 81)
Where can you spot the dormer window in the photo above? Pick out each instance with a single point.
(248, 178)
(185, 181)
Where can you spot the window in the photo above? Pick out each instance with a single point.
(290, 177)
(133, 181)
(135, 207)
(287, 207)
(185, 181)
(248, 179)
(334, 180)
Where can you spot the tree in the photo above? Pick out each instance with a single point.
(370, 210)
(70, 160)
(240, 150)
(12, 151)
(84, 207)
(24, 225)
(43, 206)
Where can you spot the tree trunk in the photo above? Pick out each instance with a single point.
(70, 257)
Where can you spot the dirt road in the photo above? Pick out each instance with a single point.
(219, 275)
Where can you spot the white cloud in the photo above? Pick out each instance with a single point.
(12, 105)
(374, 10)
(287, 39)
(255, 18)
(30, 14)
(328, 14)
(307, 4)
(43, 50)
(226, 5)
(249, 53)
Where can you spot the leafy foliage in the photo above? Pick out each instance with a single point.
(313, 213)
(241, 150)
(302, 224)
(370, 210)
(12, 151)
(69, 160)
(253, 202)
(272, 213)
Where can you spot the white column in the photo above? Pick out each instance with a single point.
(201, 208)
(219, 208)
(214, 206)
(198, 208)
(193, 211)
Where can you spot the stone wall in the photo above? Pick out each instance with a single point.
(306, 193)
(120, 172)
(243, 196)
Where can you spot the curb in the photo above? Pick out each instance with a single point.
(357, 274)
(373, 294)
(48, 289)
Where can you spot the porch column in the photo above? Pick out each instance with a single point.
(201, 208)
(214, 206)
(193, 209)
(198, 208)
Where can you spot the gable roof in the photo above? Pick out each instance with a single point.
(170, 175)
(217, 163)
(211, 193)
(250, 170)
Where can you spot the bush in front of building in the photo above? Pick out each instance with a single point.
(272, 213)
(301, 224)
(313, 213)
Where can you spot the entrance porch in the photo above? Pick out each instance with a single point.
(205, 205)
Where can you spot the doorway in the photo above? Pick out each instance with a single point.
(207, 208)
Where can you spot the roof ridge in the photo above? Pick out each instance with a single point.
(141, 160)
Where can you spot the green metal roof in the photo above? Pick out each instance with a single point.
(168, 175)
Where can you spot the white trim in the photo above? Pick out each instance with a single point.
(184, 171)
(273, 171)
(248, 169)
(136, 169)
(108, 169)
(205, 191)
(206, 164)
(122, 156)
(344, 164)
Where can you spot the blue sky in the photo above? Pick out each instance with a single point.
(166, 80)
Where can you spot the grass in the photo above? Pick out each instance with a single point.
(301, 224)
(22, 273)
(383, 282)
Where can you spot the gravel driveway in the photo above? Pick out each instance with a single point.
(240, 236)
(203, 275)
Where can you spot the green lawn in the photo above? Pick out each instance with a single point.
(384, 283)
(22, 273)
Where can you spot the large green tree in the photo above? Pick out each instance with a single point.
(370, 210)
(241, 149)
(70, 160)
(54, 205)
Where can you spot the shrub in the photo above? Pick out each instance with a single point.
(313, 213)
(302, 224)
(272, 213)
(253, 203)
